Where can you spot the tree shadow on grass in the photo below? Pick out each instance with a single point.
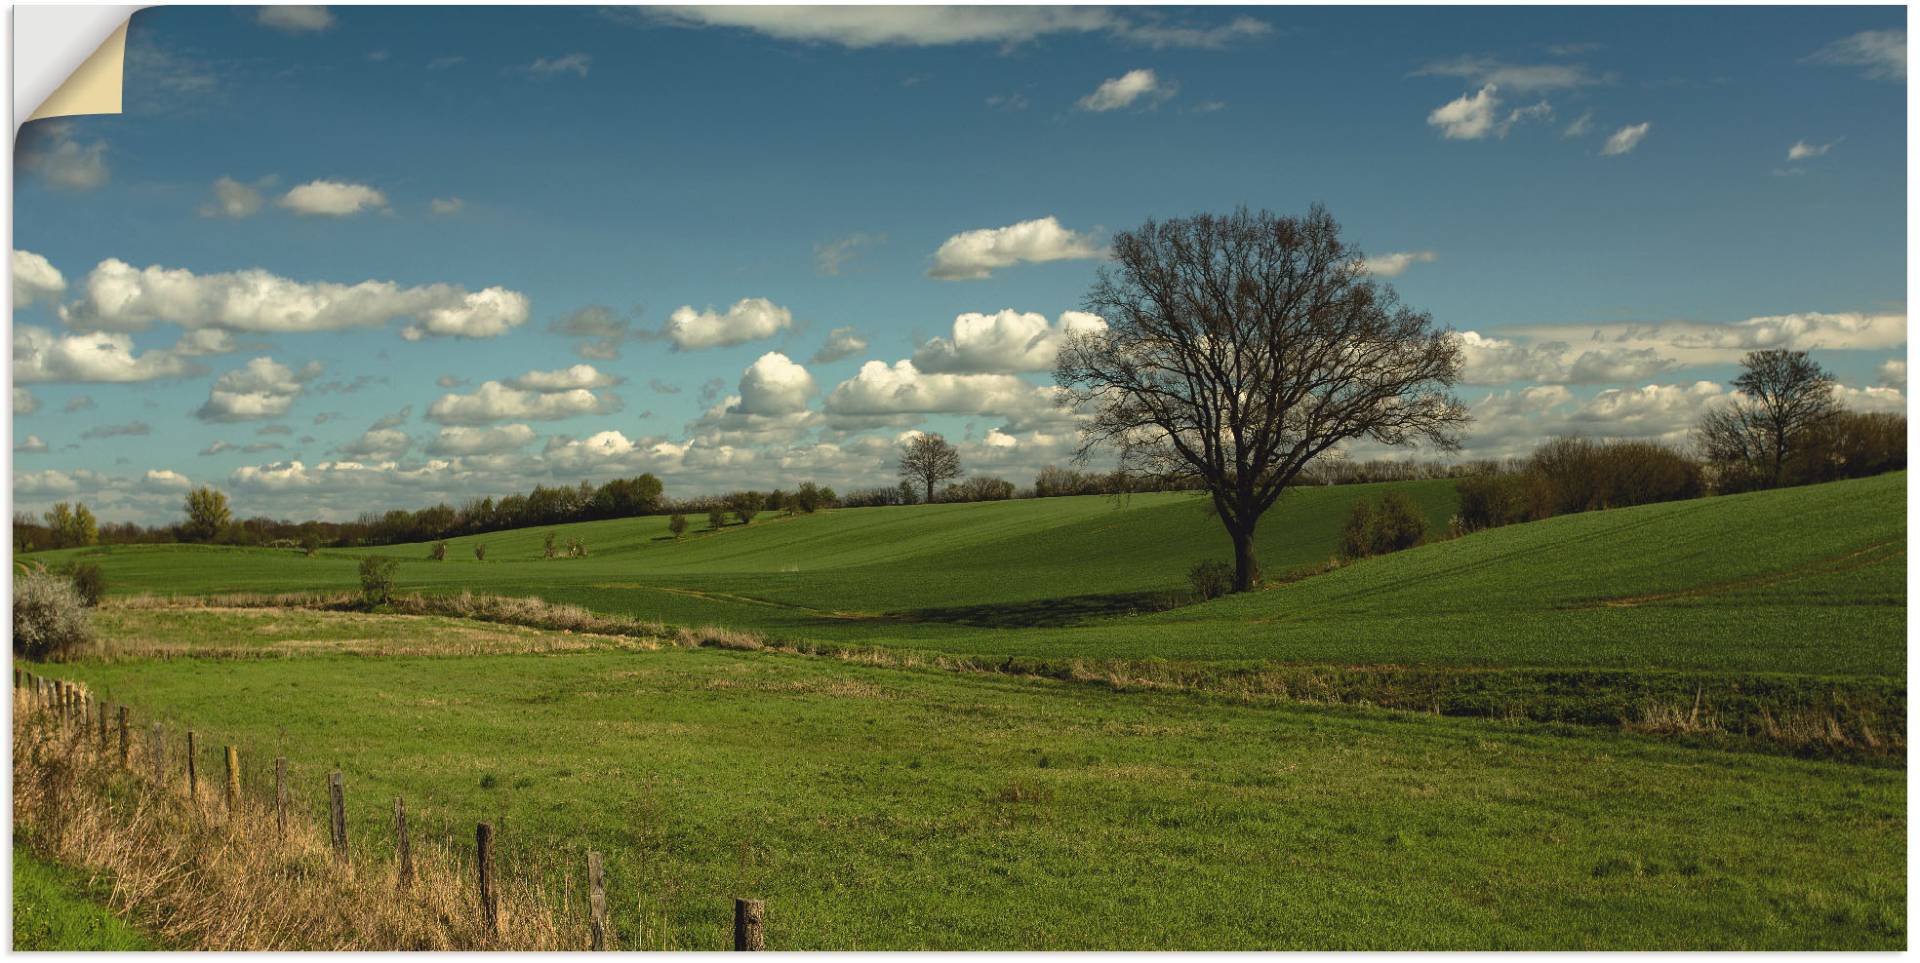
(1043, 613)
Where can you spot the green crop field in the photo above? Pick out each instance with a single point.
(1808, 580)
(878, 805)
(885, 808)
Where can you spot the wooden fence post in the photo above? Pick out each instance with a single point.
(157, 748)
(483, 859)
(233, 778)
(193, 768)
(401, 844)
(748, 932)
(280, 793)
(337, 795)
(104, 708)
(126, 741)
(597, 899)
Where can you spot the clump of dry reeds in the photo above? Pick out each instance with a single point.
(197, 874)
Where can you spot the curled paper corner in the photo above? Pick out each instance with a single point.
(62, 67)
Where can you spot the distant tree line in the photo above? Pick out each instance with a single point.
(1784, 428)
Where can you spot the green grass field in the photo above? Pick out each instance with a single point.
(1807, 580)
(885, 808)
(878, 806)
(57, 909)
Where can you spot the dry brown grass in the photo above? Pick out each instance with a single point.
(199, 877)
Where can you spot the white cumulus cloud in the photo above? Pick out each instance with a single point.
(750, 319)
(1129, 88)
(332, 199)
(41, 356)
(35, 279)
(116, 296)
(976, 254)
(1393, 265)
(262, 388)
(466, 440)
(1004, 342)
(494, 401)
(564, 379)
(775, 385)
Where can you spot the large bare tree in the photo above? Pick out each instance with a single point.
(1240, 347)
(1785, 395)
(929, 460)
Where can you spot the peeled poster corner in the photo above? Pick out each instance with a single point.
(68, 60)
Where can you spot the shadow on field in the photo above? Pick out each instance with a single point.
(1040, 613)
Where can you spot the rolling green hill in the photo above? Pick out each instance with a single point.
(1807, 580)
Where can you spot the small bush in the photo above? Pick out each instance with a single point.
(90, 582)
(576, 548)
(480, 551)
(439, 553)
(1398, 524)
(310, 544)
(549, 548)
(376, 579)
(1356, 536)
(1377, 529)
(1490, 501)
(716, 517)
(49, 617)
(1210, 579)
(677, 525)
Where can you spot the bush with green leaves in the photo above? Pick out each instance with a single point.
(1211, 579)
(716, 517)
(548, 546)
(50, 619)
(480, 551)
(376, 579)
(439, 553)
(677, 525)
(90, 582)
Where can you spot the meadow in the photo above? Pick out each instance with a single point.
(875, 807)
(981, 726)
(1806, 581)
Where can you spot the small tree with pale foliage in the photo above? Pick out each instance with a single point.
(677, 525)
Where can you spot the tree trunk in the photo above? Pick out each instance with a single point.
(929, 489)
(1246, 570)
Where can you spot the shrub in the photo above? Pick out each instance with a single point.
(310, 544)
(1851, 444)
(439, 553)
(549, 545)
(677, 525)
(1390, 526)
(1490, 501)
(1356, 536)
(1398, 524)
(576, 548)
(1578, 475)
(1210, 579)
(716, 517)
(376, 579)
(49, 617)
(90, 582)
(746, 505)
(480, 551)
(980, 488)
(872, 497)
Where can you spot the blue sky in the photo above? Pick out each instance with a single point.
(1609, 204)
